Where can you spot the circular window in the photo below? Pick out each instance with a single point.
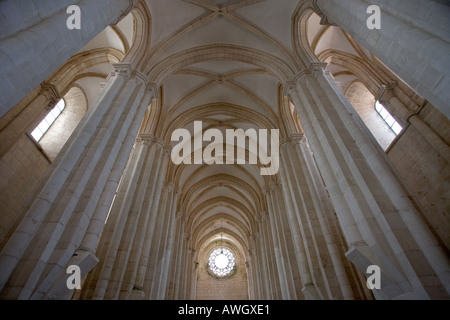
(221, 262)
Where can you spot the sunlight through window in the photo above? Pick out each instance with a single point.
(51, 117)
(387, 117)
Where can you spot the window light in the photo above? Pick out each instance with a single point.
(388, 118)
(51, 117)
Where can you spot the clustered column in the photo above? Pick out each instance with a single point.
(371, 204)
(64, 217)
(266, 260)
(138, 235)
(311, 224)
(281, 241)
(179, 270)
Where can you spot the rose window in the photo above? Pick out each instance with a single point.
(221, 262)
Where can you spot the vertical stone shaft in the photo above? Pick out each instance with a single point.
(270, 258)
(64, 204)
(276, 209)
(378, 205)
(324, 214)
(295, 222)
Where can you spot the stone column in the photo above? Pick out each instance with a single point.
(179, 254)
(380, 223)
(174, 270)
(168, 254)
(81, 178)
(325, 214)
(126, 241)
(185, 265)
(309, 225)
(276, 208)
(269, 259)
(409, 42)
(250, 269)
(161, 246)
(193, 275)
(310, 290)
(36, 47)
(261, 267)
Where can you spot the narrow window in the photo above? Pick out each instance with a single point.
(388, 118)
(45, 124)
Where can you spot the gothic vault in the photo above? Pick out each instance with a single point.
(356, 121)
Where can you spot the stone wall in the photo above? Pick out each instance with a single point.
(425, 172)
(20, 171)
(233, 287)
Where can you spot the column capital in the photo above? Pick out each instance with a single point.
(289, 86)
(314, 69)
(160, 142)
(145, 138)
(297, 77)
(294, 138)
(122, 69)
(51, 93)
(297, 137)
(167, 150)
(386, 92)
(152, 88)
(140, 75)
(317, 68)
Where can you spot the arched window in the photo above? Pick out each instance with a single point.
(55, 130)
(51, 117)
(378, 120)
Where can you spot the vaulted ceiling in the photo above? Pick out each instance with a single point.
(222, 62)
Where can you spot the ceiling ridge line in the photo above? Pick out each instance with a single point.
(231, 84)
(258, 31)
(274, 65)
(164, 43)
(252, 96)
(187, 97)
(232, 181)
